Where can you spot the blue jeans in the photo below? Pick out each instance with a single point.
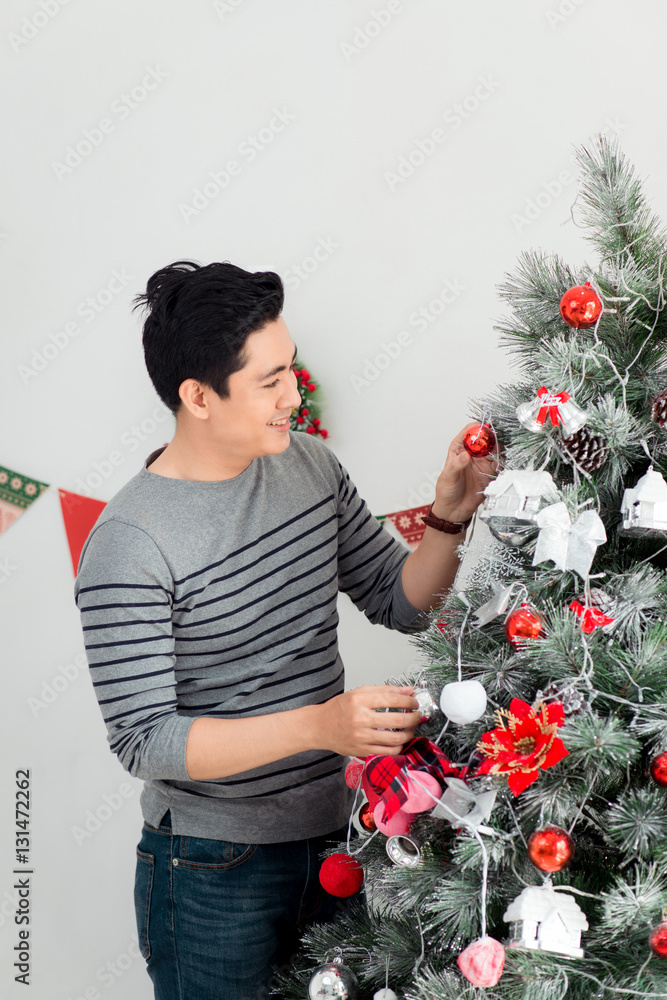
(215, 919)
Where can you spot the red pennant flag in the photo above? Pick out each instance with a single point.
(79, 514)
(410, 525)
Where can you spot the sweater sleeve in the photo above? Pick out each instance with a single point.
(124, 594)
(370, 562)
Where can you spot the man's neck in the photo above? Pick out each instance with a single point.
(197, 461)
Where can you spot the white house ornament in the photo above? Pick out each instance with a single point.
(569, 546)
(644, 507)
(463, 701)
(559, 407)
(542, 919)
(513, 500)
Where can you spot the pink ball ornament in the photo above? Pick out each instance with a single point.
(353, 773)
(419, 800)
(482, 962)
(397, 826)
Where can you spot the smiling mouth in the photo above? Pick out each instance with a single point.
(278, 423)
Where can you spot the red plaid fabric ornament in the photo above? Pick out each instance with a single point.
(384, 778)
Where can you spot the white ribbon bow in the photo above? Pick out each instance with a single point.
(570, 546)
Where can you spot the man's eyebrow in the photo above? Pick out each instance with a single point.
(274, 371)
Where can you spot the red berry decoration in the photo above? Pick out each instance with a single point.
(479, 441)
(523, 623)
(341, 875)
(657, 940)
(580, 307)
(659, 769)
(550, 849)
(311, 387)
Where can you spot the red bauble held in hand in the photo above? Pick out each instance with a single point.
(580, 307)
(523, 623)
(550, 849)
(479, 441)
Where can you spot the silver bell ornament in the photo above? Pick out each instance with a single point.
(405, 850)
(526, 414)
(333, 980)
(572, 418)
(559, 407)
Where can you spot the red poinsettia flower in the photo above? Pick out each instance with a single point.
(524, 742)
(591, 618)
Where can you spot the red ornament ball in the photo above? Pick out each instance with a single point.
(580, 307)
(550, 849)
(659, 769)
(353, 773)
(657, 940)
(523, 623)
(341, 875)
(479, 441)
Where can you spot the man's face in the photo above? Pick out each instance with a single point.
(263, 391)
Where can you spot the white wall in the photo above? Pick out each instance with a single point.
(354, 96)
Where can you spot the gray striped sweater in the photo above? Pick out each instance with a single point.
(219, 599)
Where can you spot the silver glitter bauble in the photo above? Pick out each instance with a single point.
(427, 705)
(333, 980)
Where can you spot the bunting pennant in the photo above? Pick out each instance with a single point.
(17, 492)
(409, 524)
(79, 514)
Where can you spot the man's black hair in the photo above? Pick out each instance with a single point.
(199, 318)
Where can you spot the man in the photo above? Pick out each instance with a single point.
(207, 591)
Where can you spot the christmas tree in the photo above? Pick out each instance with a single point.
(530, 858)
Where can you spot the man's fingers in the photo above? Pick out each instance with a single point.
(396, 720)
(392, 697)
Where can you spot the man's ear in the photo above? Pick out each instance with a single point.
(194, 398)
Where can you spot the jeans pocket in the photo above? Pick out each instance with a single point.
(201, 854)
(143, 890)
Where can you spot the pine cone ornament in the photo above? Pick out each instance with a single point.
(572, 700)
(659, 408)
(599, 599)
(588, 450)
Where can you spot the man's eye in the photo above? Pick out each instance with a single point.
(272, 385)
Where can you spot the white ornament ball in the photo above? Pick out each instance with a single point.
(385, 995)
(463, 701)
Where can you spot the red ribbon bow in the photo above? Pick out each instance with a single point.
(550, 403)
(384, 777)
(591, 617)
